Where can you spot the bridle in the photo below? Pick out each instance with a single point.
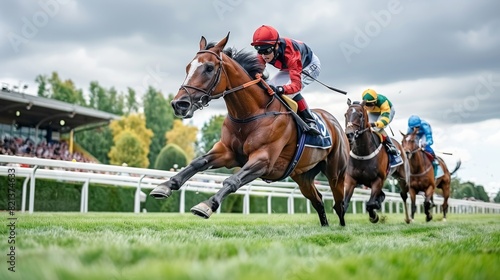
(358, 132)
(409, 156)
(208, 93)
(361, 129)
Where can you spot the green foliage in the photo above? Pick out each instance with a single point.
(131, 104)
(497, 198)
(128, 149)
(106, 100)
(211, 133)
(171, 154)
(64, 91)
(183, 136)
(97, 141)
(159, 119)
(468, 190)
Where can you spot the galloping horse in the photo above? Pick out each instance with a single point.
(422, 175)
(259, 133)
(369, 162)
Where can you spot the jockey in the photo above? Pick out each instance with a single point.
(292, 58)
(380, 113)
(425, 135)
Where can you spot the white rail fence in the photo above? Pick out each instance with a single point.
(142, 178)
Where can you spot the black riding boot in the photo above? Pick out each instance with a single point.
(391, 149)
(306, 115)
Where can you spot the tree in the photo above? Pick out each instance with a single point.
(159, 118)
(97, 141)
(135, 123)
(211, 133)
(497, 198)
(184, 136)
(65, 91)
(106, 100)
(169, 156)
(131, 104)
(42, 86)
(128, 149)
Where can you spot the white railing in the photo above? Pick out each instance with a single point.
(142, 178)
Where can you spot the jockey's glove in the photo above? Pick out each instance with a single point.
(373, 124)
(278, 90)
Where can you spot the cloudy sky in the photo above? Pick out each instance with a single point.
(437, 59)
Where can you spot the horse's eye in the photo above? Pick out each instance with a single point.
(209, 68)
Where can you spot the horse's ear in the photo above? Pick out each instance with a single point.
(348, 102)
(363, 102)
(404, 135)
(222, 42)
(203, 43)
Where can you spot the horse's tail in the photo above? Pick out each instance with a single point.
(457, 166)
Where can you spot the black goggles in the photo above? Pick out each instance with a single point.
(264, 49)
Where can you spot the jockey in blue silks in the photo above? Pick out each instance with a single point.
(424, 134)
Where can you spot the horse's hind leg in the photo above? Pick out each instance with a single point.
(446, 195)
(307, 188)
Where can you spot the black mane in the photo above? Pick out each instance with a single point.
(248, 60)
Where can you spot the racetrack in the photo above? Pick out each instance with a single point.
(256, 246)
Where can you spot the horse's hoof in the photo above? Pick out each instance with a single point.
(374, 220)
(202, 210)
(161, 192)
(428, 219)
(408, 221)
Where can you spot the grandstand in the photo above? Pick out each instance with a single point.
(35, 126)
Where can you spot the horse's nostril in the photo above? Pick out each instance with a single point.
(181, 105)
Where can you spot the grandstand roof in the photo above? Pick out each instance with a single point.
(35, 111)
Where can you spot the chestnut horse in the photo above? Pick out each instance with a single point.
(369, 161)
(422, 175)
(259, 133)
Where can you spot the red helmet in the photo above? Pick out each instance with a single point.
(265, 35)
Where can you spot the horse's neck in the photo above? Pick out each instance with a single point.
(418, 162)
(248, 101)
(366, 143)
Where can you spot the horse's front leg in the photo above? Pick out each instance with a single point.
(428, 203)
(213, 159)
(349, 185)
(249, 172)
(413, 198)
(376, 198)
(404, 197)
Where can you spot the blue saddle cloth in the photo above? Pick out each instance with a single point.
(322, 141)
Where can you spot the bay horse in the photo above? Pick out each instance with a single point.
(369, 161)
(422, 175)
(259, 133)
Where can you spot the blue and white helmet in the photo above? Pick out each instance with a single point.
(414, 121)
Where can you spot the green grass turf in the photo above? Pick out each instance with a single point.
(257, 246)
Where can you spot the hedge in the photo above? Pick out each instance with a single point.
(53, 195)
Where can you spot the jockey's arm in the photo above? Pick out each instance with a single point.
(385, 113)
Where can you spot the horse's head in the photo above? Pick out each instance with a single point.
(203, 79)
(356, 120)
(411, 143)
